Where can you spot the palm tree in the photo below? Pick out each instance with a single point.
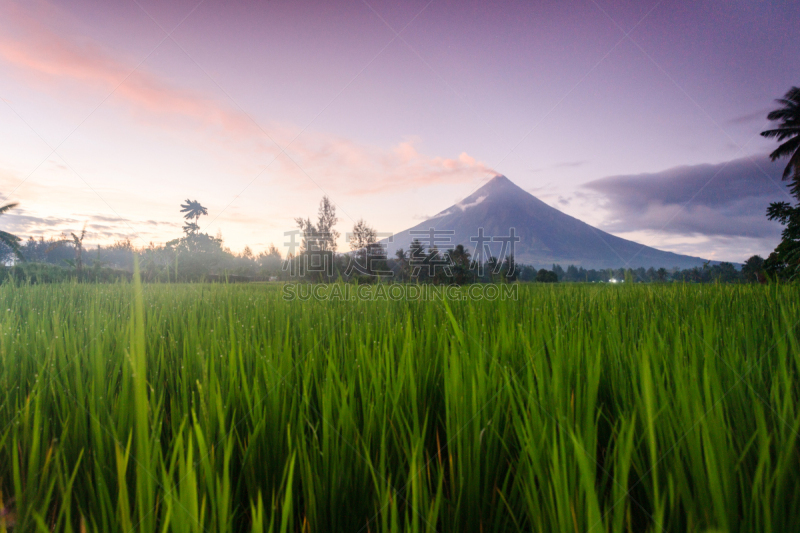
(193, 210)
(190, 227)
(12, 241)
(785, 260)
(788, 131)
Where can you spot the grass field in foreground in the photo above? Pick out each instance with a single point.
(225, 408)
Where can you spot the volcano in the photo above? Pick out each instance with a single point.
(546, 235)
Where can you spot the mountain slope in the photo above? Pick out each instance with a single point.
(546, 234)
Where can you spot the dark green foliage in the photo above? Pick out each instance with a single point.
(788, 133)
(753, 269)
(33, 273)
(784, 262)
(546, 276)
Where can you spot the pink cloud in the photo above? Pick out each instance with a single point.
(357, 169)
(41, 54)
(46, 57)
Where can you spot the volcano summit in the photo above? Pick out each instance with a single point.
(546, 235)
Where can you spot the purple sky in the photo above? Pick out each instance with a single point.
(395, 110)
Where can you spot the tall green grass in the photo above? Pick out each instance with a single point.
(225, 408)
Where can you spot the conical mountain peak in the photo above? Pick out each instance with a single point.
(546, 235)
(497, 187)
(499, 182)
(499, 178)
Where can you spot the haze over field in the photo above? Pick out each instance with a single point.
(639, 118)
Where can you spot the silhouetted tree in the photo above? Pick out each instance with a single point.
(78, 242)
(401, 264)
(785, 260)
(363, 241)
(192, 210)
(489, 273)
(416, 257)
(546, 276)
(77, 245)
(319, 240)
(527, 273)
(117, 255)
(788, 131)
(270, 260)
(326, 221)
(725, 272)
(752, 269)
(7, 239)
(460, 265)
(508, 270)
(558, 271)
(310, 237)
(572, 274)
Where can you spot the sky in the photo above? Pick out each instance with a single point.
(639, 117)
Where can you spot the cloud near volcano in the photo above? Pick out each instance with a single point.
(728, 199)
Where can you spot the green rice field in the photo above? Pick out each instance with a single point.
(574, 408)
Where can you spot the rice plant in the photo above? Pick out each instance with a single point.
(191, 407)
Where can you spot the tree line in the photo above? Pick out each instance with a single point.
(198, 256)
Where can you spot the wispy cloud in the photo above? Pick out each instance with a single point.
(372, 170)
(563, 164)
(748, 118)
(26, 223)
(48, 58)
